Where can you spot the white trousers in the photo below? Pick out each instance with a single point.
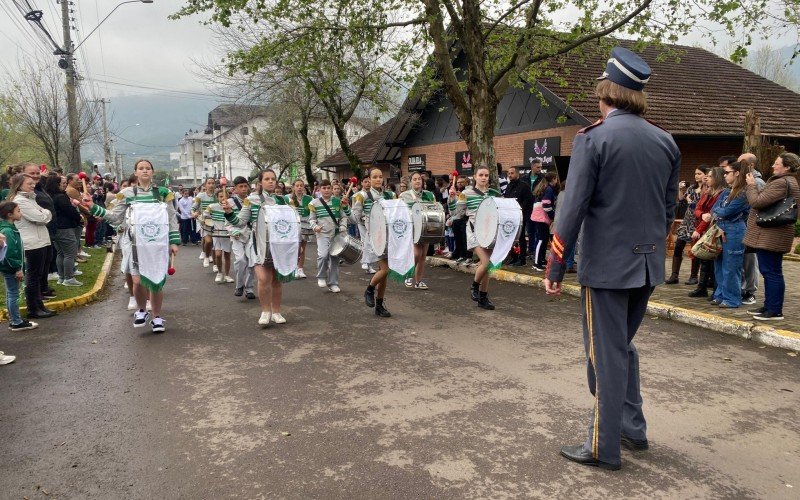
(242, 264)
(327, 265)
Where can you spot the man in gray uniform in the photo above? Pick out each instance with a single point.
(623, 185)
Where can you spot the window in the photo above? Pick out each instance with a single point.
(245, 131)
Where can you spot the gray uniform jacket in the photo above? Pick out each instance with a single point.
(623, 185)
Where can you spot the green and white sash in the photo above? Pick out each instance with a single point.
(284, 239)
(150, 229)
(400, 244)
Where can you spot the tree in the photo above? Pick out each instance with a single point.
(344, 70)
(767, 62)
(36, 100)
(502, 42)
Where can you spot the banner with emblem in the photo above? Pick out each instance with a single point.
(400, 244)
(150, 228)
(284, 239)
(509, 220)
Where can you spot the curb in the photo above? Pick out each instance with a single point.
(766, 335)
(80, 300)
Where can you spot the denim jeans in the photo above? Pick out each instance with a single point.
(12, 298)
(770, 265)
(100, 232)
(728, 266)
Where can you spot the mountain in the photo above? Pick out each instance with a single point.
(785, 54)
(162, 121)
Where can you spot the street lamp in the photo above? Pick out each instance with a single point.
(107, 16)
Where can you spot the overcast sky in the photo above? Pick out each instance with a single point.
(136, 46)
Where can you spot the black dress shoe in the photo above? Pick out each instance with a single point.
(48, 311)
(634, 444)
(41, 314)
(474, 293)
(485, 303)
(369, 298)
(698, 292)
(578, 454)
(239, 292)
(382, 311)
(250, 295)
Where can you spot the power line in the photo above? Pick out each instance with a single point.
(143, 145)
(161, 89)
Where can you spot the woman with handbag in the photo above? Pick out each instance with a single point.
(715, 182)
(686, 229)
(773, 239)
(730, 212)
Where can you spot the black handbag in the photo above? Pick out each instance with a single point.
(780, 213)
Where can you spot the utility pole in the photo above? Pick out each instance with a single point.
(68, 64)
(106, 145)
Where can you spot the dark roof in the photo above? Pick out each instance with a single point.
(365, 148)
(700, 94)
(231, 115)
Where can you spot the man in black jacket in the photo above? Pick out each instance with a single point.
(521, 191)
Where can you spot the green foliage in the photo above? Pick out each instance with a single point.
(797, 229)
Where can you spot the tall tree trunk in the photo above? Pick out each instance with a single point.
(355, 161)
(307, 154)
(483, 109)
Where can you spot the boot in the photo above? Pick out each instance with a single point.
(693, 276)
(484, 302)
(369, 296)
(381, 311)
(677, 259)
(702, 284)
(474, 291)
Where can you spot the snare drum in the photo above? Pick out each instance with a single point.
(379, 228)
(346, 247)
(428, 219)
(488, 220)
(206, 224)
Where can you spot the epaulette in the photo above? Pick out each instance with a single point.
(246, 202)
(656, 125)
(120, 195)
(197, 199)
(462, 196)
(590, 127)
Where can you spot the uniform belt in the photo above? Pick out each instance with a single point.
(643, 249)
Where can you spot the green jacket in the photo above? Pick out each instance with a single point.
(15, 255)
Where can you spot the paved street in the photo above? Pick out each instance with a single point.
(443, 400)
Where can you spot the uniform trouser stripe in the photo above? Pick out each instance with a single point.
(596, 424)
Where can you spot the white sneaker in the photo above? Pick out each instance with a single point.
(215, 268)
(52, 277)
(371, 270)
(334, 289)
(364, 266)
(132, 303)
(264, 319)
(157, 324)
(205, 262)
(77, 272)
(202, 256)
(71, 282)
(300, 273)
(277, 318)
(218, 279)
(321, 283)
(4, 359)
(409, 282)
(228, 279)
(140, 318)
(83, 254)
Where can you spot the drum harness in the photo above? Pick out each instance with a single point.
(322, 200)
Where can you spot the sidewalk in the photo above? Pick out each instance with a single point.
(672, 302)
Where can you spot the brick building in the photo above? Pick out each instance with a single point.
(701, 100)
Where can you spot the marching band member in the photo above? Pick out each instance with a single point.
(201, 202)
(362, 206)
(243, 257)
(366, 255)
(270, 289)
(221, 244)
(411, 196)
(327, 217)
(299, 200)
(142, 193)
(467, 205)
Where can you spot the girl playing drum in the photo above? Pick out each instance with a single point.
(201, 202)
(143, 192)
(270, 289)
(411, 196)
(221, 241)
(362, 206)
(467, 205)
(299, 200)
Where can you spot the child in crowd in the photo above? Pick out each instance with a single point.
(12, 265)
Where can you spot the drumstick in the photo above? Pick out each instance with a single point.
(82, 177)
(171, 269)
(224, 182)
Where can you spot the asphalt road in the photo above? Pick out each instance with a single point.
(443, 400)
